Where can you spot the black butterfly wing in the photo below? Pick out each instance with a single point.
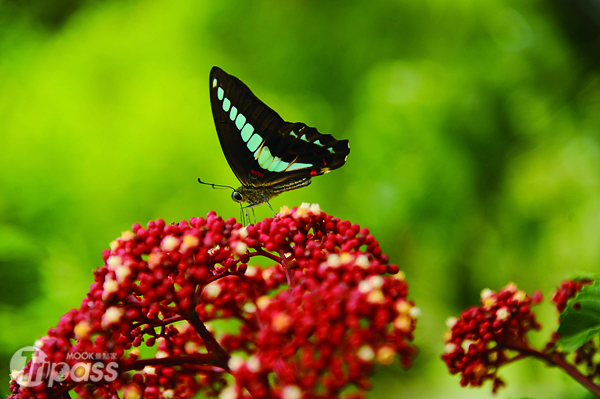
(304, 152)
(260, 147)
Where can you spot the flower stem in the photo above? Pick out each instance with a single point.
(200, 360)
(220, 355)
(261, 252)
(558, 360)
(286, 269)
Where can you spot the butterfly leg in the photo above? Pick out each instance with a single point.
(270, 207)
(242, 219)
(247, 212)
(245, 215)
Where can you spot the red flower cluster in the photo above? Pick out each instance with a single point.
(487, 337)
(568, 289)
(310, 325)
(586, 356)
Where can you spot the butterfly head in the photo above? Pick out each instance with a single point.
(252, 195)
(237, 196)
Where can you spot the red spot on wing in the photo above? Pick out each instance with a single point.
(313, 172)
(256, 173)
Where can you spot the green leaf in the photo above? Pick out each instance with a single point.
(580, 321)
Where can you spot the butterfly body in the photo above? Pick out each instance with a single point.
(267, 154)
(257, 195)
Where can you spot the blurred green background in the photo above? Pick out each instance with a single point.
(474, 128)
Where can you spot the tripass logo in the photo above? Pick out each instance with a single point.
(92, 367)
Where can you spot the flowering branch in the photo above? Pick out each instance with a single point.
(485, 338)
(556, 358)
(221, 357)
(216, 326)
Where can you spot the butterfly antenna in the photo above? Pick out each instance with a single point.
(215, 185)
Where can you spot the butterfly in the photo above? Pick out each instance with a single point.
(267, 154)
